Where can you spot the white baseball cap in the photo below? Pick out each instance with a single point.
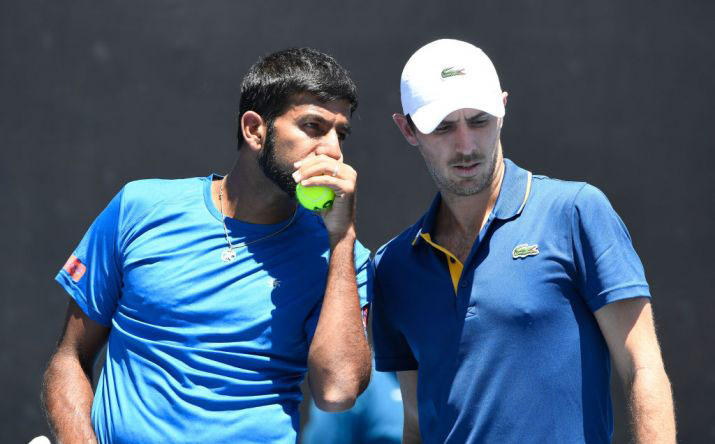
(447, 75)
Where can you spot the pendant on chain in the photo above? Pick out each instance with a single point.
(228, 255)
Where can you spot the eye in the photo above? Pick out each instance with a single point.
(479, 122)
(441, 129)
(312, 128)
(342, 136)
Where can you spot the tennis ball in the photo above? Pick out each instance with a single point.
(315, 198)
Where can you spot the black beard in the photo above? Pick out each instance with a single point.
(270, 166)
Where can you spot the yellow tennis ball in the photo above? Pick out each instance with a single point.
(315, 198)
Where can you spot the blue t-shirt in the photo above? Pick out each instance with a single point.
(509, 351)
(200, 350)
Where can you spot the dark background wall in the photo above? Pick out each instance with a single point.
(94, 94)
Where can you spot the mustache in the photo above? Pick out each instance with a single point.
(465, 160)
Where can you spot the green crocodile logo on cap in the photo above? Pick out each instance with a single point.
(452, 71)
(523, 250)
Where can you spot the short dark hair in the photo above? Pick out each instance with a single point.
(276, 78)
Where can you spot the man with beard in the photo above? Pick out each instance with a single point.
(215, 295)
(504, 305)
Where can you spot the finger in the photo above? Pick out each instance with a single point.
(317, 169)
(329, 167)
(340, 186)
(312, 159)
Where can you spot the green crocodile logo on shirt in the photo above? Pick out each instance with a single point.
(452, 71)
(523, 250)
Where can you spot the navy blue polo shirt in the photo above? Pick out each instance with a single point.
(506, 345)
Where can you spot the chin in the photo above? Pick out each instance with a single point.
(470, 187)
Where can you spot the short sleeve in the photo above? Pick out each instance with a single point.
(364, 273)
(392, 352)
(92, 274)
(608, 267)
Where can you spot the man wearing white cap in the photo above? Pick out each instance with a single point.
(503, 307)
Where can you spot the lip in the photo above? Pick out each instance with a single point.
(466, 169)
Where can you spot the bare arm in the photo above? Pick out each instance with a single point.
(408, 387)
(67, 390)
(630, 333)
(339, 356)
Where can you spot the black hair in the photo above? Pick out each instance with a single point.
(273, 81)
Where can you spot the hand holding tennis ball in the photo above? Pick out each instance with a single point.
(325, 184)
(317, 180)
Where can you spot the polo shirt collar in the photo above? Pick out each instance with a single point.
(514, 192)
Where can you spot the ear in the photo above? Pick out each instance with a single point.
(404, 126)
(254, 129)
(504, 96)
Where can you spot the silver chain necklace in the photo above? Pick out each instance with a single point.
(229, 254)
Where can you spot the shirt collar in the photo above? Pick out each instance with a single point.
(514, 192)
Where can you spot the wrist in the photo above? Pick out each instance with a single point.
(347, 237)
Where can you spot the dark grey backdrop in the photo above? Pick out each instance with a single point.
(94, 94)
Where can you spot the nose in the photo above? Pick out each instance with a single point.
(464, 139)
(330, 145)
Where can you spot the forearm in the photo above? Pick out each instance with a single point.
(651, 406)
(411, 422)
(411, 435)
(67, 397)
(339, 357)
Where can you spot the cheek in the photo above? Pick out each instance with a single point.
(291, 148)
(432, 157)
(486, 140)
(494, 134)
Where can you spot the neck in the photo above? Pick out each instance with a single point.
(249, 196)
(468, 214)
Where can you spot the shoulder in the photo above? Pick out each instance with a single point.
(397, 248)
(565, 195)
(555, 190)
(153, 191)
(571, 203)
(150, 192)
(591, 196)
(141, 196)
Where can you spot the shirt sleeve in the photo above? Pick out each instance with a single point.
(392, 352)
(608, 268)
(364, 273)
(92, 274)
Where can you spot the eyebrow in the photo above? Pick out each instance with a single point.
(478, 116)
(312, 115)
(315, 116)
